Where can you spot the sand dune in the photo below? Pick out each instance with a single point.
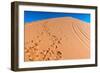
(57, 39)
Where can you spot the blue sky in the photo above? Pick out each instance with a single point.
(32, 16)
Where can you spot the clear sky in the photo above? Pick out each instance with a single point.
(32, 16)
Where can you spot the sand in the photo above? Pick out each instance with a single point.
(63, 38)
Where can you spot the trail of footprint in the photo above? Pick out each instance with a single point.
(79, 30)
(75, 32)
(49, 51)
(51, 36)
(82, 32)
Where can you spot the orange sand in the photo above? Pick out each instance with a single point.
(57, 39)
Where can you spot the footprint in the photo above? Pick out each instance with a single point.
(32, 41)
(36, 44)
(59, 42)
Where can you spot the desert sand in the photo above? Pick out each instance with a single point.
(63, 38)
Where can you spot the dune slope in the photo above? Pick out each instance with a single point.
(57, 39)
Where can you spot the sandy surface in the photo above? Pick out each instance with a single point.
(57, 39)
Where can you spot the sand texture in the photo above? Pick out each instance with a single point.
(63, 38)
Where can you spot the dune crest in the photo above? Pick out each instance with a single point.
(57, 39)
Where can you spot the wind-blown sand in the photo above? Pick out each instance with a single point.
(62, 38)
